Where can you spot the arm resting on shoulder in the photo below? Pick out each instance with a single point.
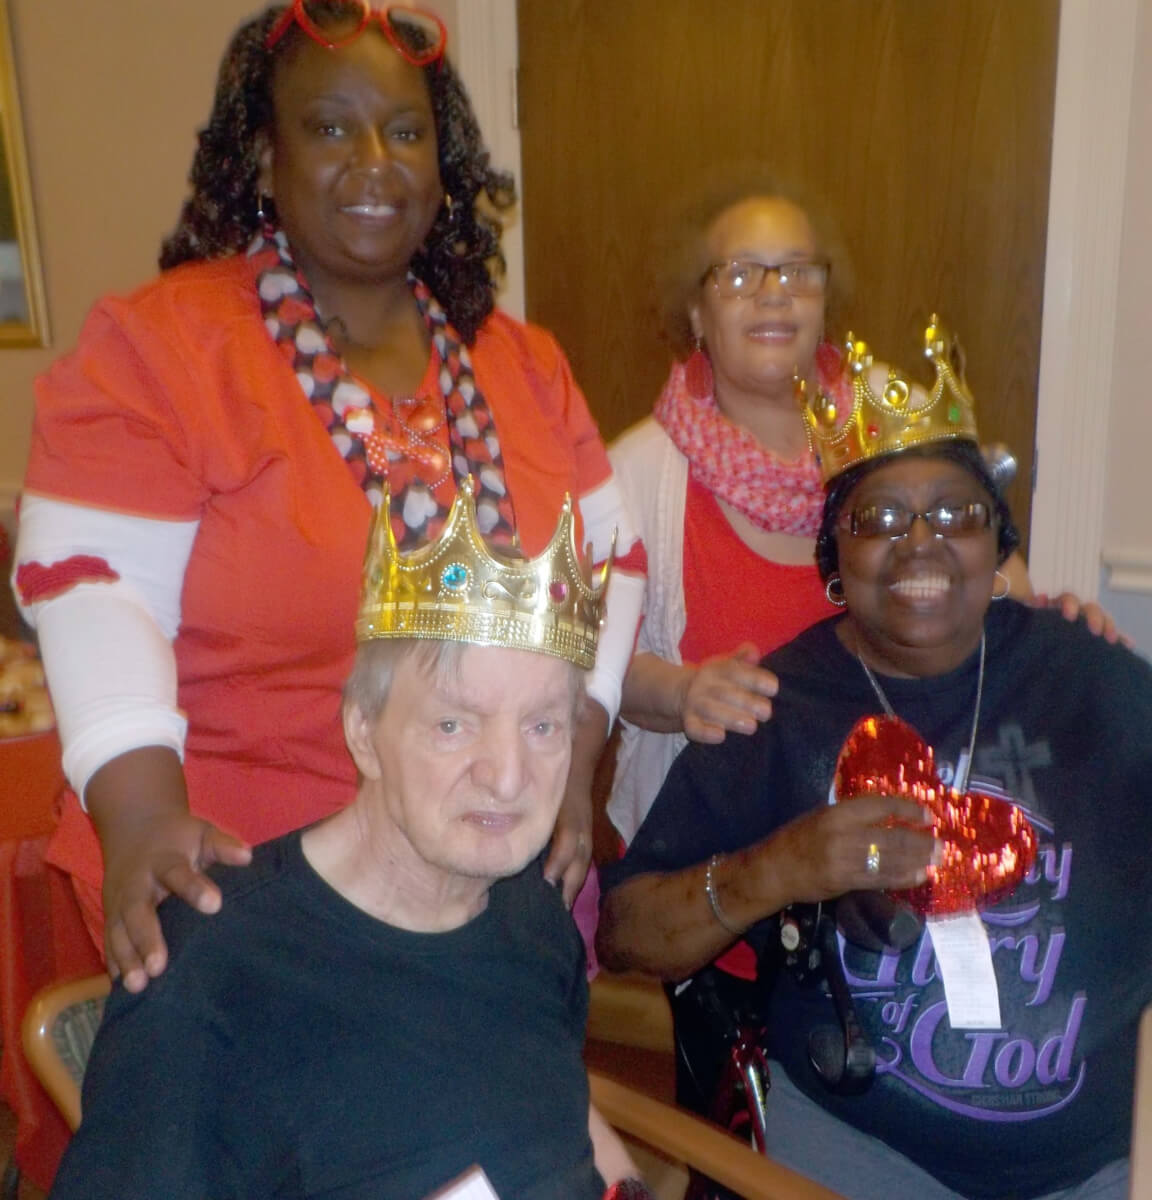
(103, 591)
(153, 847)
(1098, 619)
(571, 849)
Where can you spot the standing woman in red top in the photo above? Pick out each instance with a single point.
(205, 463)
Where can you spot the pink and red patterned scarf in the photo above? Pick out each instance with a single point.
(397, 443)
(780, 496)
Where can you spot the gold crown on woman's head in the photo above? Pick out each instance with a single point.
(903, 415)
(457, 589)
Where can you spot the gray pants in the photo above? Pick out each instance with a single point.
(809, 1140)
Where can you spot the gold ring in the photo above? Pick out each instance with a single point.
(873, 861)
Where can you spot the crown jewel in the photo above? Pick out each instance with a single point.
(903, 415)
(457, 589)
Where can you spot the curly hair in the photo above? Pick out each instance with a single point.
(461, 254)
(961, 452)
(685, 255)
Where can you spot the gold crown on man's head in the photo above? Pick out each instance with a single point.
(457, 589)
(902, 415)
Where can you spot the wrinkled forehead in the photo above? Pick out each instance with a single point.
(489, 677)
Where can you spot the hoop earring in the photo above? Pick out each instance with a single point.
(698, 373)
(1007, 586)
(834, 590)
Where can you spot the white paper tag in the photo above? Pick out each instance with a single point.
(964, 960)
(472, 1185)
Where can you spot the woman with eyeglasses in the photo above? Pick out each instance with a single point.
(727, 493)
(723, 481)
(1004, 1033)
(205, 463)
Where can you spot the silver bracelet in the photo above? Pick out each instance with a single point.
(713, 901)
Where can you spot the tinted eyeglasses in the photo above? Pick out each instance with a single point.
(740, 277)
(418, 36)
(895, 521)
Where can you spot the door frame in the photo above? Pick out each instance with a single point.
(487, 59)
(1094, 76)
(1086, 202)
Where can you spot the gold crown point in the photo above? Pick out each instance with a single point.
(935, 339)
(859, 357)
(457, 588)
(902, 415)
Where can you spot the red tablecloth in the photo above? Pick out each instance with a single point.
(42, 939)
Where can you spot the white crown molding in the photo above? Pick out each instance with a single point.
(1094, 78)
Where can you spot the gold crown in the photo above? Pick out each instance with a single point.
(456, 589)
(902, 415)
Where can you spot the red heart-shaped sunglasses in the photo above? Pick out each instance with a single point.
(417, 35)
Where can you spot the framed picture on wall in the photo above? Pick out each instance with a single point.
(23, 314)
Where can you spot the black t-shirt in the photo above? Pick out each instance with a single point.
(1064, 732)
(298, 1047)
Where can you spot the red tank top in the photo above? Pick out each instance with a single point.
(732, 595)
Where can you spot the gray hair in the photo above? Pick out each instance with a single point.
(370, 682)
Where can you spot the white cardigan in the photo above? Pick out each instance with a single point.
(653, 475)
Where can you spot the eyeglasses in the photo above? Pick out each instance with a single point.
(418, 36)
(895, 521)
(741, 278)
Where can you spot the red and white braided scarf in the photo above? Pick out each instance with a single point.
(397, 445)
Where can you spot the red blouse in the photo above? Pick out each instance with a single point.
(732, 595)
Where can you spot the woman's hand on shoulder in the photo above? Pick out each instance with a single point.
(571, 851)
(726, 693)
(1098, 619)
(153, 848)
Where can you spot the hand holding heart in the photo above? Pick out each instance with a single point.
(987, 845)
(824, 853)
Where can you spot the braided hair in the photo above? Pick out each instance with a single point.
(222, 214)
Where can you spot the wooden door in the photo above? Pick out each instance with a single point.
(925, 126)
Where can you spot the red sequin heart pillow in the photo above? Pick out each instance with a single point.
(989, 844)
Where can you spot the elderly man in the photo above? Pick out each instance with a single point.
(394, 997)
